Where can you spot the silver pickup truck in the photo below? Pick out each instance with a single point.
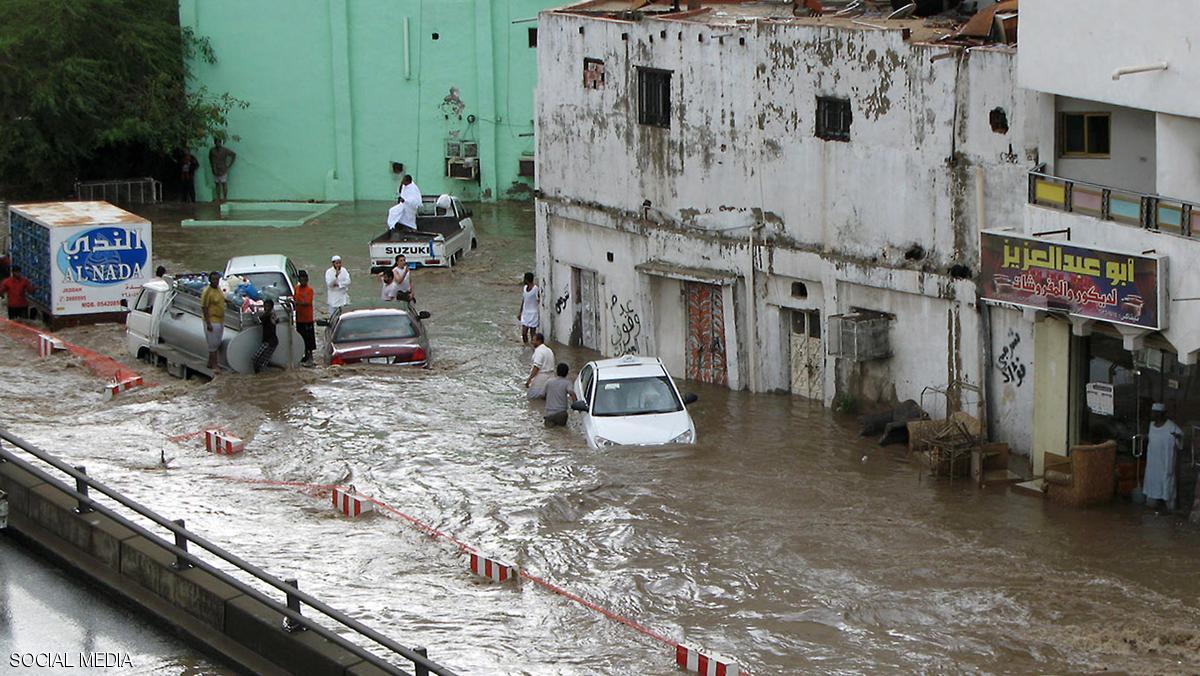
(165, 326)
(444, 233)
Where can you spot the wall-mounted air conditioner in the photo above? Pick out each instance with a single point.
(860, 335)
(463, 169)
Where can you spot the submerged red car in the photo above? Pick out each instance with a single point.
(386, 333)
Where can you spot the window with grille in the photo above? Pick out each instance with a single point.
(833, 118)
(654, 97)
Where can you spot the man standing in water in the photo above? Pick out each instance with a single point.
(541, 370)
(403, 277)
(303, 298)
(1163, 440)
(528, 316)
(212, 306)
(220, 160)
(558, 398)
(337, 284)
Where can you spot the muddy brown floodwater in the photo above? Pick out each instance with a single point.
(781, 538)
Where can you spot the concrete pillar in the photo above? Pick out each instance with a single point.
(339, 182)
(485, 69)
(1051, 390)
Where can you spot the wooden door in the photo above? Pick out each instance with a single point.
(705, 333)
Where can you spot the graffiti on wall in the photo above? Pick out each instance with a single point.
(626, 326)
(560, 303)
(1012, 368)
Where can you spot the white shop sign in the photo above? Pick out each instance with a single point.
(1100, 398)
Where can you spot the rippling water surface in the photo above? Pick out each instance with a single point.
(781, 538)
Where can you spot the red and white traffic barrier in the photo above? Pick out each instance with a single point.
(493, 569)
(705, 664)
(48, 345)
(116, 387)
(222, 443)
(349, 502)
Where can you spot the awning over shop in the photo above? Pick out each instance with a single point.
(660, 268)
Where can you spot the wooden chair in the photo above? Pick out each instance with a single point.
(1084, 477)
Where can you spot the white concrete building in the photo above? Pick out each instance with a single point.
(726, 187)
(1123, 177)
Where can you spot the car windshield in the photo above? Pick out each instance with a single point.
(374, 327)
(263, 280)
(635, 396)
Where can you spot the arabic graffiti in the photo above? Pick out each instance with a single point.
(627, 326)
(1012, 368)
(561, 302)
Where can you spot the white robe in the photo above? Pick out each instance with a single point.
(394, 215)
(339, 295)
(1161, 445)
(412, 201)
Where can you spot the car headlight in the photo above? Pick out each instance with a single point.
(601, 442)
(685, 438)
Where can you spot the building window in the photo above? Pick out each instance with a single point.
(833, 118)
(533, 37)
(1084, 134)
(593, 73)
(654, 97)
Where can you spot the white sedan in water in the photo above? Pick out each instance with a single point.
(632, 401)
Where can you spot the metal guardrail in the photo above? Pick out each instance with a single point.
(136, 191)
(1152, 212)
(294, 620)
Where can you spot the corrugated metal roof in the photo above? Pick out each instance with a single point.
(72, 214)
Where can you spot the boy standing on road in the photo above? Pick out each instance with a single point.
(303, 298)
(212, 306)
(531, 300)
(558, 398)
(542, 369)
(269, 336)
(14, 287)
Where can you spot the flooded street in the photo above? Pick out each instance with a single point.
(781, 538)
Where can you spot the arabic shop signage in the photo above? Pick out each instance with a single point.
(102, 256)
(1092, 283)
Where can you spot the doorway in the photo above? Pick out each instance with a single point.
(807, 356)
(705, 333)
(587, 308)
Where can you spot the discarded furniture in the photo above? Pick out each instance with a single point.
(893, 424)
(1083, 477)
(947, 444)
(989, 465)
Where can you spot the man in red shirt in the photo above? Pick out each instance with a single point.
(15, 287)
(303, 298)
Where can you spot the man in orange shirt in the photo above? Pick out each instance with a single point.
(15, 287)
(303, 298)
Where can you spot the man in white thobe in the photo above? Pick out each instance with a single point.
(337, 284)
(1163, 440)
(410, 201)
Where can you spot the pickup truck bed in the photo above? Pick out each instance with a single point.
(429, 227)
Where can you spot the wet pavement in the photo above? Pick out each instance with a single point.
(781, 538)
(53, 623)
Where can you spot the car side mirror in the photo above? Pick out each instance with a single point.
(579, 405)
(690, 398)
(322, 322)
(423, 314)
(125, 303)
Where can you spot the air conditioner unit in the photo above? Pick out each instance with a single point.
(525, 167)
(454, 148)
(462, 169)
(859, 335)
(470, 149)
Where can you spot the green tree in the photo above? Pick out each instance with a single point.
(82, 81)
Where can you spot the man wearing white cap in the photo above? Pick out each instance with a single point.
(337, 284)
(1163, 440)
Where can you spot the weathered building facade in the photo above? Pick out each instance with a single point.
(778, 203)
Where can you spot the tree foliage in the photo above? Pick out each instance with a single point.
(80, 78)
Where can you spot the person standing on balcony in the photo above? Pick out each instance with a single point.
(220, 160)
(1163, 440)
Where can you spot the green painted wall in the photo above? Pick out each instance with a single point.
(332, 104)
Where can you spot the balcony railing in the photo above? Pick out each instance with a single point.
(1152, 212)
